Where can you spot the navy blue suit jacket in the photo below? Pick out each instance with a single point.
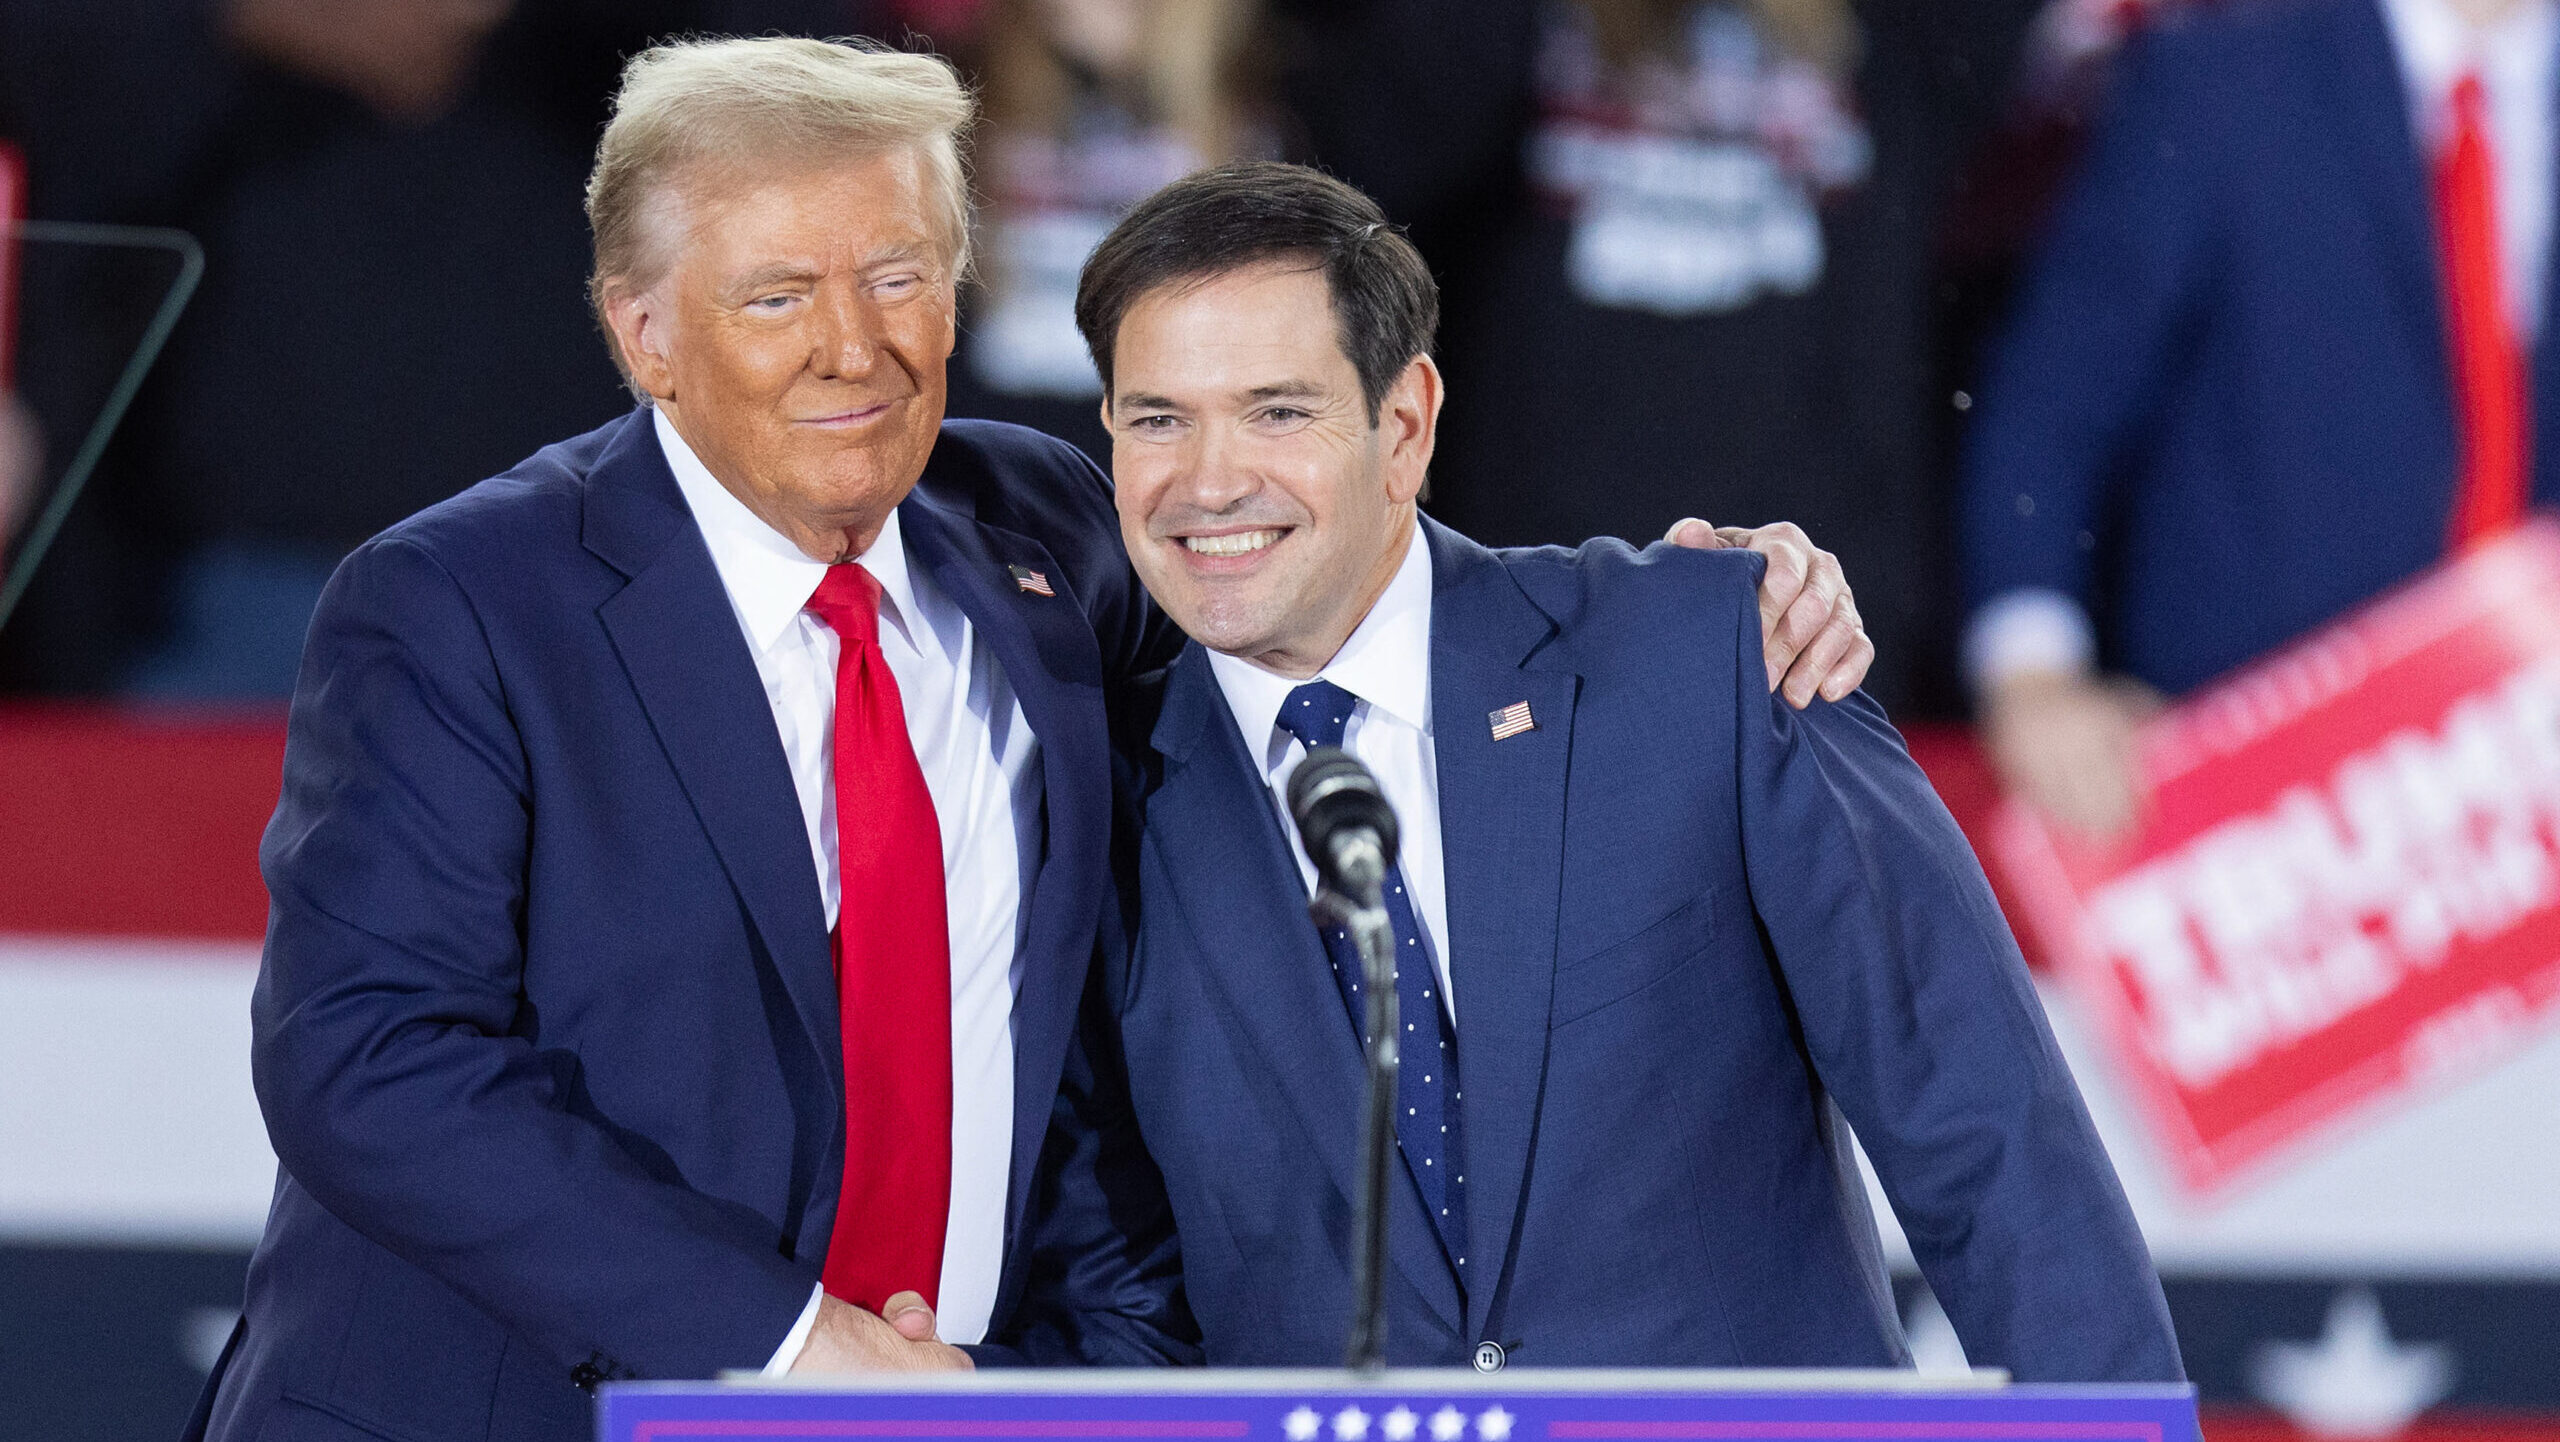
(1690, 929)
(2222, 414)
(546, 1033)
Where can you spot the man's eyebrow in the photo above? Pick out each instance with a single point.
(1270, 391)
(1286, 391)
(893, 254)
(782, 272)
(775, 273)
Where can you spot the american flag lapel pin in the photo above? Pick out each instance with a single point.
(1513, 719)
(1032, 581)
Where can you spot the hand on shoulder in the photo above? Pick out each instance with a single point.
(1810, 632)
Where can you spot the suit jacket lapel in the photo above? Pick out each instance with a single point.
(2371, 101)
(1236, 882)
(1502, 807)
(680, 645)
(1046, 647)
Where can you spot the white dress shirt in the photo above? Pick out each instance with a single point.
(2518, 61)
(1387, 664)
(980, 763)
(2515, 61)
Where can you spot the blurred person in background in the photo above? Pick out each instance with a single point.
(2005, 197)
(1091, 105)
(387, 195)
(2277, 355)
(1688, 250)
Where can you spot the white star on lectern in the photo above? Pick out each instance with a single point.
(1302, 1425)
(1448, 1425)
(1400, 1424)
(1493, 1424)
(1350, 1424)
(2355, 1381)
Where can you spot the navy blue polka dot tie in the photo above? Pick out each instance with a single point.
(1427, 1092)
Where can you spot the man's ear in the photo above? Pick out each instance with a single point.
(638, 322)
(1409, 422)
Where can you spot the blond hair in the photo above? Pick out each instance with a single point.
(692, 104)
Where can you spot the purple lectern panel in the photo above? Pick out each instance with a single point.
(1404, 1407)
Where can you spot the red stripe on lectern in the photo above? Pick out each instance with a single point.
(1706, 1431)
(937, 1427)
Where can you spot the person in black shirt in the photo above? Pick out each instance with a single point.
(1688, 250)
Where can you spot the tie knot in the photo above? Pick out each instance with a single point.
(1317, 713)
(2468, 100)
(848, 600)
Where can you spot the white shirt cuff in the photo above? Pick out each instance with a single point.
(2032, 629)
(798, 1338)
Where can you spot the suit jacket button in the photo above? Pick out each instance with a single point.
(1489, 1356)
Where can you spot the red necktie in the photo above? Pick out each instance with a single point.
(2491, 405)
(893, 974)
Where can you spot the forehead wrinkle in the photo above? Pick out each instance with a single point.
(699, 192)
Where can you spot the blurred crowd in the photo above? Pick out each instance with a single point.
(2108, 342)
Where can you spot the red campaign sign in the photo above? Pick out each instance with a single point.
(2347, 882)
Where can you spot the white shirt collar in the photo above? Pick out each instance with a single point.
(770, 580)
(1387, 663)
(2436, 46)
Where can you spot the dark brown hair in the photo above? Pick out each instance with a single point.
(1206, 225)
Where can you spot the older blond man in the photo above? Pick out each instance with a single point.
(694, 842)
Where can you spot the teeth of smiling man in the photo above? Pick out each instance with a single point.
(1242, 543)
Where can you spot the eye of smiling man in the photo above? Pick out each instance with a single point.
(894, 281)
(1270, 419)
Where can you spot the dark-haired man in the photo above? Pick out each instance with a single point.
(1659, 934)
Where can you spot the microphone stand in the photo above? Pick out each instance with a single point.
(1364, 915)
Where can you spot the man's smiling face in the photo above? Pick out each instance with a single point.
(798, 340)
(1263, 508)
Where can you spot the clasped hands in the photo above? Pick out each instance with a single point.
(901, 1338)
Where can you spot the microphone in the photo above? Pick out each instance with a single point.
(1345, 823)
(1349, 831)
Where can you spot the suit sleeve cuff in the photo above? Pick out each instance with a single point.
(798, 1339)
(2032, 629)
(990, 1354)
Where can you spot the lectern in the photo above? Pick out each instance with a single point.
(1518, 1405)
